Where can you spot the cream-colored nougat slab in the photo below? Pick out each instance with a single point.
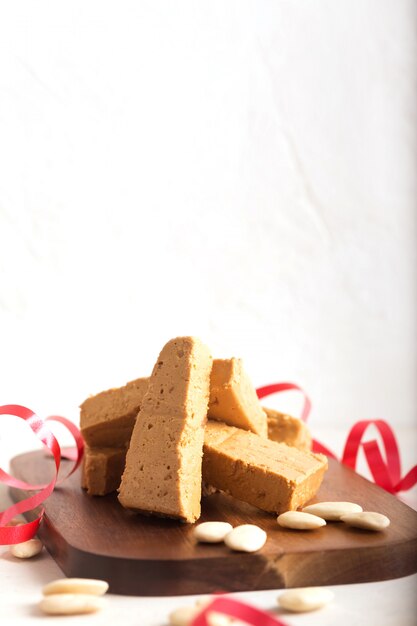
(163, 464)
(233, 398)
(271, 476)
(107, 418)
(102, 469)
(287, 429)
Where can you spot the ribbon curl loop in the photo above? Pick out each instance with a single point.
(386, 474)
(17, 534)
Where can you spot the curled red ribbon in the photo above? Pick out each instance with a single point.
(386, 473)
(239, 610)
(16, 534)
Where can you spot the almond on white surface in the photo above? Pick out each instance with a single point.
(204, 601)
(16, 522)
(246, 538)
(219, 619)
(89, 586)
(184, 615)
(368, 520)
(305, 599)
(27, 549)
(71, 604)
(332, 511)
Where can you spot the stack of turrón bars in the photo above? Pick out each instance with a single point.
(196, 421)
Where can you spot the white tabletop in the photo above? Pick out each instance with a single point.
(242, 171)
(388, 603)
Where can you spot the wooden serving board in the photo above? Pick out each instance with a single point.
(138, 555)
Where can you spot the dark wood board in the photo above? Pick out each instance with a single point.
(139, 555)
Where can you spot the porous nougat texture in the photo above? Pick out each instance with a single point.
(163, 465)
(271, 476)
(102, 469)
(287, 429)
(107, 419)
(233, 398)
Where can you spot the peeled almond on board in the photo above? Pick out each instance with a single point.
(246, 538)
(305, 599)
(367, 520)
(212, 532)
(298, 520)
(89, 586)
(332, 511)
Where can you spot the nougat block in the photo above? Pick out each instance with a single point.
(163, 465)
(233, 398)
(287, 429)
(269, 475)
(102, 469)
(107, 418)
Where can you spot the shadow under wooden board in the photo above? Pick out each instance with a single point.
(138, 555)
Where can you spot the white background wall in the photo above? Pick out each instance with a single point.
(243, 171)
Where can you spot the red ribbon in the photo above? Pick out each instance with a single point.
(239, 610)
(386, 473)
(16, 534)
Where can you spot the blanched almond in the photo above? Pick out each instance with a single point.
(15, 522)
(27, 549)
(300, 521)
(367, 520)
(246, 538)
(71, 604)
(212, 532)
(183, 615)
(213, 618)
(219, 619)
(89, 586)
(332, 511)
(305, 599)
